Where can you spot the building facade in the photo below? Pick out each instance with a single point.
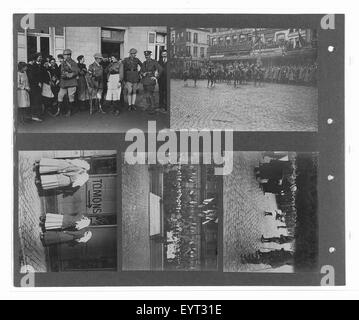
(227, 43)
(190, 43)
(87, 41)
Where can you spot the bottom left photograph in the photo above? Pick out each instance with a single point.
(67, 210)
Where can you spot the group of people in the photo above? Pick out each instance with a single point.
(64, 86)
(277, 177)
(62, 175)
(292, 74)
(243, 72)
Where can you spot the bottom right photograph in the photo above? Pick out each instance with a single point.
(270, 218)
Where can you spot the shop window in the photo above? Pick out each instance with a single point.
(103, 165)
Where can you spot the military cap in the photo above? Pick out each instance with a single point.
(67, 51)
(133, 51)
(97, 55)
(148, 52)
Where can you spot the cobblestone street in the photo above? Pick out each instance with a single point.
(273, 107)
(244, 221)
(136, 253)
(31, 207)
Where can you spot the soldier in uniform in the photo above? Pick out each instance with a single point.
(68, 81)
(150, 71)
(162, 82)
(131, 66)
(96, 81)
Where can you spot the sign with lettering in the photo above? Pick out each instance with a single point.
(101, 195)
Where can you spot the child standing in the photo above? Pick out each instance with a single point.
(23, 89)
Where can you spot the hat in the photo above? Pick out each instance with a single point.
(97, 55)
(133, 51)
(115, 55)
(67, 51)
(148, 53)
(35, 56)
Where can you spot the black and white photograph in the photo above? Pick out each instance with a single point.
(252, 79)
(170, 217)
(67, 218)
(91, 79)
(271, 213)
(167, 149)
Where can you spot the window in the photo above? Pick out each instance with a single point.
(188, 51)
(209, 40)
(161, 38)
(151, 37)
(202, 52)
(188, 36)
(195, 51)
(195, 38)
(103, 165)
(214, 41)
(59, 31)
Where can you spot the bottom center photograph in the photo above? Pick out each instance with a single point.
(170, 217)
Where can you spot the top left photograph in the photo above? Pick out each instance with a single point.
(90, 79)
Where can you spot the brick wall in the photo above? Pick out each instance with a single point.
(135, 217)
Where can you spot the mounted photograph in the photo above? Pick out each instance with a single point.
(170, 217)
(90, 79)
(251, 79)
(67, 211)
(270, 217)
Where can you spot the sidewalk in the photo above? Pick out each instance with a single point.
(31, 207)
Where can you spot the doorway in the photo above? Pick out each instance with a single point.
(38, 43)
(112, 42)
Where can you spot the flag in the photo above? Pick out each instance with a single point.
(257, 41)
(301, 39)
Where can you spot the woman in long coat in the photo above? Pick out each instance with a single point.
(83, 94)
(71, 238)
(65, 222)
(64, 180)
(47, 166)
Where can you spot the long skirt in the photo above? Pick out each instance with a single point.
(52, 165)
(55, 181)
(61, 237)
(54, 221)
(113, 89)
(61, 222)
(23, 99)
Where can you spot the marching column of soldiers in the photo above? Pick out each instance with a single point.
(65, 87)
(241, 73)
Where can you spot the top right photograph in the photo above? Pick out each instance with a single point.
(253, 79)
